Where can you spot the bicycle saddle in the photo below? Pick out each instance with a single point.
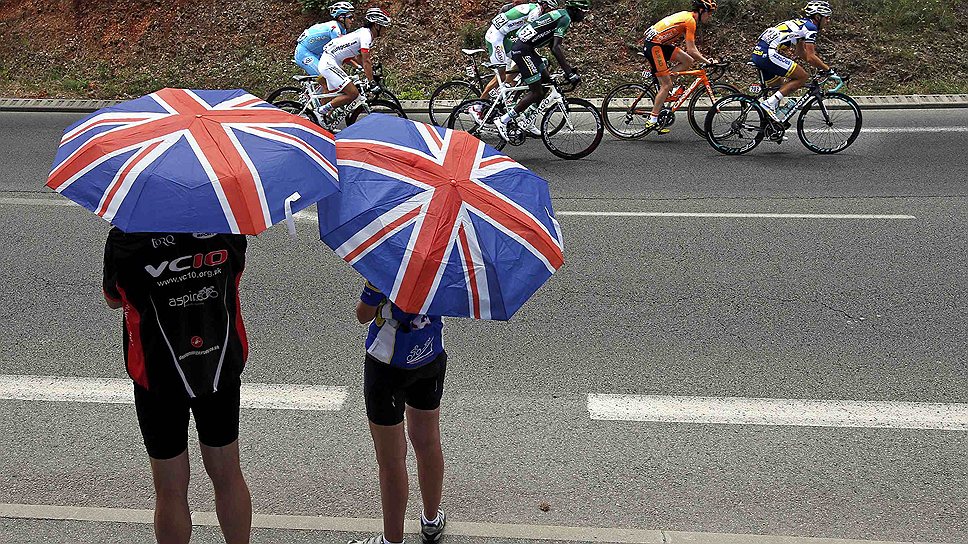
(304, 78)
(493, 65)
(471, 51)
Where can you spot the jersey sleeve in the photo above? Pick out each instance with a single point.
(366, 40)
(110, 278)
(690, 25)
(371, 296)
(563, 23)
(810, 32)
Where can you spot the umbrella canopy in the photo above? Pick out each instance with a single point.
(180, 160)
(441, 222)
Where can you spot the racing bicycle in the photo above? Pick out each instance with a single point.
(453, 92)
(828, 121)
(571, 128)
(312, 98)
(297, 93)
(627, 108)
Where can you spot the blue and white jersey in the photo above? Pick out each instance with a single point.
(400, 339)
(788, 33)
(317, 36)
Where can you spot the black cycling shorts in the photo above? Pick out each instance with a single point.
(164, 418)
(387, 389)
(659, 55)
(529, 63)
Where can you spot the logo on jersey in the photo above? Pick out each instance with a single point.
(166, 241)
(191, 299)
(197, 342)
(188, 262)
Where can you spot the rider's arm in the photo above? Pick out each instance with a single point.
(693, 52)
(559, 54)
(367, 64)
(370, 300)
(364, 312)
(810, 56)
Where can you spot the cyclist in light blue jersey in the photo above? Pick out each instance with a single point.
(310, 44)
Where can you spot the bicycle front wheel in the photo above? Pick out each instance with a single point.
(626, 109)
(447, 96)
(476, 117)
(735, 124)
(285, 93)
(376, 106)
(700, 103)
(830, 124)
(297, 108)
(572, 132)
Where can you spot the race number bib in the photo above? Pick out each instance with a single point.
(527, 33)
(499, 21)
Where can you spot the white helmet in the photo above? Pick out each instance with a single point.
(818, 7)
(550, 4)
(340, 9)
(377, 16)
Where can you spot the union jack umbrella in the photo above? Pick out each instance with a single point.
(441, 222)
(179, 160)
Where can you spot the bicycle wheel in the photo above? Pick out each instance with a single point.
(735, 124)
(376, 106)
(297, 108)
(285, 93)
(574, 133)
(829, 124)
(476, 118)
(387, 96)
(447, 96)
(626, 109)
(699, 104)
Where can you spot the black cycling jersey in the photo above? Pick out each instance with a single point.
(183, 329)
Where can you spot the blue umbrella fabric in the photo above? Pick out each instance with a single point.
(441, 222)
(181, 160)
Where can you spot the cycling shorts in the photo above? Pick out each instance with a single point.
(164, 418)
(659, 55)
(771, 62)
(529, 63)
(388, 389)
(332, 72)
(307, 60)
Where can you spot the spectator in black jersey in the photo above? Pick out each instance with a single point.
(185, 348)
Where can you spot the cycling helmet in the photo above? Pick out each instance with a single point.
(583, 6)
(817, 7)
(341, 9)
(704, 5)
(377, 16)
(550, 4)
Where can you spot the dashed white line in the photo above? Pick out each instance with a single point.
(770, 411)
(120, 391)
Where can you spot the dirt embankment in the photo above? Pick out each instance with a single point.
(123, 48)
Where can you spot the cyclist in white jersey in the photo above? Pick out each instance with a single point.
(501, 34)
(355, 45)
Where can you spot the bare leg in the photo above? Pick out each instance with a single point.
(233, 504)
(423, 426)
(390, 444)
(173, 520)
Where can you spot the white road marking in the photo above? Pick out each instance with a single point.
(503, 531)
(307, 215)
(912, 130)
(765, 411)
(120, 391)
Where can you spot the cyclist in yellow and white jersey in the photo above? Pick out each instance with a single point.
(800, 34)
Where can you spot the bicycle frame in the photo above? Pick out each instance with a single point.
(506, 92)
(701, 80)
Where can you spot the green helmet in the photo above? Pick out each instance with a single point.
(580, 5)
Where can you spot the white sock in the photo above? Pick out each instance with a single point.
(435, 521)
(506, 118)
(654, 118)
(385, 541)
(774, 100)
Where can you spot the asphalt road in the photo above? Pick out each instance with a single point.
(853, 309)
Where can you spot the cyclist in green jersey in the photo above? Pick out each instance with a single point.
(549, 29)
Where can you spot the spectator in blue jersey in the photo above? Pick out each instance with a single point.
(403, 375)
(309, 45)
(184, 347)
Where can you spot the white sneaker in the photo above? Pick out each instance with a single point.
(502, 128)
(770, 109)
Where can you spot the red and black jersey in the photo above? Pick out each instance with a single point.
(183, 329)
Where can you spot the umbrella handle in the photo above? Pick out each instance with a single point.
(290, 222)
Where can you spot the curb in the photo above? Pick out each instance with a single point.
(899, 102)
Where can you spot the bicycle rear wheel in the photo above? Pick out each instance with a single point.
(447, 96)
(572, 132)
(735, 124)
(830, 124)
(700, 103)
(472, 117)
(285, 93)
(376, 106)
(626, 109)
(297, 108)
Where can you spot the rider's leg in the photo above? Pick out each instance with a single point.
(660, 69)
(348, 94)
(665, 87)
(797, 80)
(492, 84)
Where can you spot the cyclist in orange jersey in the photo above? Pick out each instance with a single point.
(660, 48)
